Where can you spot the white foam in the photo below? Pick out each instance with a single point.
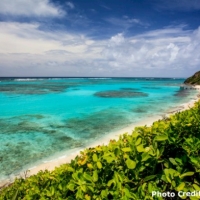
(61, 157)
(55, 78)
(32, 168)
(28, 79)
(47, 161)
(99, 78)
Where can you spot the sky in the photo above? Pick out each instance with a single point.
(99, 38)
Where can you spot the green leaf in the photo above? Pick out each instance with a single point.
(167, 175)
(87, 176)
(126, 156)
(142, 168)
(15, 195)
(147, 178)
(166, 164)
(87, 197)
(173, 183)
(140, 148)
(104, 194)
(145, 156)
(90, 166)
(127, 192)
(163, 177)
(94, 157)
(71, 186)
(144, 186)
(60, 187)
(48, 193)
(172, 160)
(52, 190)
(150, 187)
(127, 149)
(138, 141)
(110, 182)
(181, 186)
(161, 138)
(70, 169)
(194, 160)
(194, 198)
(109, 159)
(186, 174)
(130, 164)
(90, 188)
(157, 153)
(79, 194)
(147, 149)
(196, 187)
(83, 188)
(75, 176)
(95, 176)
(99, 165)
(135, 134)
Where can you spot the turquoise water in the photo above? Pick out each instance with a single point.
(42, 117)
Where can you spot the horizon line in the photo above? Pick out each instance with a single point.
(87, 77)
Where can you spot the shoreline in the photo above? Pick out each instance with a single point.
(67, 156)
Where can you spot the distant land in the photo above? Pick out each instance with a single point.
(193, 80)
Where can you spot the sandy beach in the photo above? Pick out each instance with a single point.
(67, 157)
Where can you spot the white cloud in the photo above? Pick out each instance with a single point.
(39, 8)
(27, 38)
(165, 33)
(70, 4)
(117, 39)
(27, 50)
(176, 51)
(182, 5)
(125, 22)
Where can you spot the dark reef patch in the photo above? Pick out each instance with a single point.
(38, 116)
(95, 124)
(32, 88)
(182, 93)
(120, 94)
(152, 88)
(130, 89)
(65, 138)
(139, 110)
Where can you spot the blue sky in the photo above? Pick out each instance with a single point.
(151, 38)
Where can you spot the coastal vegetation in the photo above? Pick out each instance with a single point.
(163, 157)
(194, 80)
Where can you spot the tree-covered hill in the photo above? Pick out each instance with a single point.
(194, 80)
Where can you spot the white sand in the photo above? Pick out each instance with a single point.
(62, 159)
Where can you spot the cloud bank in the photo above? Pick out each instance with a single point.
(37, 8)
(26, 50)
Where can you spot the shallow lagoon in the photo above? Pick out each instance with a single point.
(41, 117)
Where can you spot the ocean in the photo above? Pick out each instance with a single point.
(41, 117)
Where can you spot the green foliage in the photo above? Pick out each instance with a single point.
(195, 79)
(163, 157)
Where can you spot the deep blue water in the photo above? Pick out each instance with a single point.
(41, 117)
